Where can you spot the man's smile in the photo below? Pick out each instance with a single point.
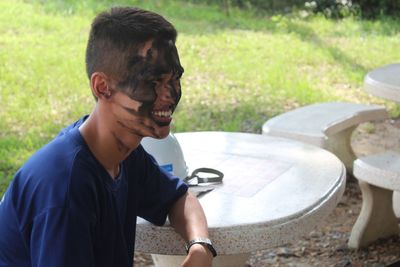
(162, 117)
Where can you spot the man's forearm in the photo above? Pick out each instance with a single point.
(188, 218)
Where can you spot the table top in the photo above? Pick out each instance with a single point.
(384, 82)
(274, 190)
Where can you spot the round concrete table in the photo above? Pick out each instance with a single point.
(274, 190)
(384, 82)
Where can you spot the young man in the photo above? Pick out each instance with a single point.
(75, 201)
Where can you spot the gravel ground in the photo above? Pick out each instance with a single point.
(327, 246)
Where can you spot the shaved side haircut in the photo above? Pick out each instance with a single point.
(118, 34)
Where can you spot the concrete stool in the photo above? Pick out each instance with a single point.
(326, 125)
(379, 176)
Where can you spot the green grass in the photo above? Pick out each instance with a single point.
(240, 70)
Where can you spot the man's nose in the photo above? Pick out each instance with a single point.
(165, 94)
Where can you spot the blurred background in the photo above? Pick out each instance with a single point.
(245, 61)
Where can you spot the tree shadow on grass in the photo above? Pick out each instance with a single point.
(308, 35)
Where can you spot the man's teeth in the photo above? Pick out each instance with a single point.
(163, 113)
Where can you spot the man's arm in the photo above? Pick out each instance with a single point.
(188, 219)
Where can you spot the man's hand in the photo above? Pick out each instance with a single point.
(199, 255)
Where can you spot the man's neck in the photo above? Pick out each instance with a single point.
(103, 143)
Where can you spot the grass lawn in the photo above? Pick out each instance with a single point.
(240, 70)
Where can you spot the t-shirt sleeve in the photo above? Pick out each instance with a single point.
(65, 235)
(158, 190)
(53, 239)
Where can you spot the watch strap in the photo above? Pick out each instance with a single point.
(203, 241)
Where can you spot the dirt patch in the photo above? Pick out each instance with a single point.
(327, 246)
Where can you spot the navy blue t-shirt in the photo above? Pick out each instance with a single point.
(63, 209)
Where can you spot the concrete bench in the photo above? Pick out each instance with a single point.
(326, 125)
(379, 176)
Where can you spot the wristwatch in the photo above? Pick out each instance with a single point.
(203, 241)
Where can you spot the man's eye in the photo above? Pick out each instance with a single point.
(177, 82)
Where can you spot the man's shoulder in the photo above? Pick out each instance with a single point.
(50, 168)
(47, 178)
(59, 152)
(73, 125)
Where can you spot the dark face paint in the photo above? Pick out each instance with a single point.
(145, 73)
(146, 76)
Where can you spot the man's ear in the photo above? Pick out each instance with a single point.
(99, 85)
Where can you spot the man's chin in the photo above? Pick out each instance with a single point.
(162, 132)
(162, 128)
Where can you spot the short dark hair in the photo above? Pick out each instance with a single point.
(119, 31)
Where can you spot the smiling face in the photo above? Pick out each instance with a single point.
(147, 96)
